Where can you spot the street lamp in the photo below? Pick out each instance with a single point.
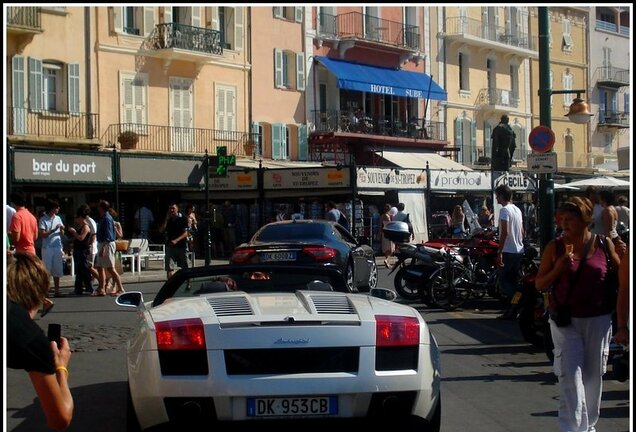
(578, 114)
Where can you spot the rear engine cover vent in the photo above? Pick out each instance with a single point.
(231, 306)
(327, 304)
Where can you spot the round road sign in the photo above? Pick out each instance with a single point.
(541, 139)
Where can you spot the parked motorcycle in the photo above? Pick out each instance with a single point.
(415, 264)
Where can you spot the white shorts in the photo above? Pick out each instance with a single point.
(53, 259)
(106, 255)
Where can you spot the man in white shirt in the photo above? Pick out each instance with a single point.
(403, 216)
(51, 230)
(510, 246)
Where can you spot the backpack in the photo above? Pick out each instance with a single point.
(342, 220)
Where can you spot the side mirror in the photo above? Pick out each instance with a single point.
(383, 293)
(130, 299)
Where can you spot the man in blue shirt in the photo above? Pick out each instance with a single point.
(106, 250)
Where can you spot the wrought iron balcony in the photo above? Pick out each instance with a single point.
(370, 28)
(51, 124)
(464, 28)
(173, 139)
(345, 121)
(24, 19)
(494, 97)
(185, 37)
(609, 76)
(613, 119)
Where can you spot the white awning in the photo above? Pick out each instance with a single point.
(418, 160)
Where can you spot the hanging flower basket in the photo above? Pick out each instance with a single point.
(128, 140)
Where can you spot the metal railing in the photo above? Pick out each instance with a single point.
(24, 17)
(611, 73)
(476, 28)
(181, 36)
(182, 140)
(607, 26)
(371, 28)
(619, 118)
(495, 96)
(23, 121)
(352, 122)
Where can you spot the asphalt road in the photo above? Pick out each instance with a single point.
(492, 380)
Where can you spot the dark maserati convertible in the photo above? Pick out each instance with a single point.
(308, 242)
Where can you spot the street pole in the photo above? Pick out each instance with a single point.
(546, 182)
(208, 239)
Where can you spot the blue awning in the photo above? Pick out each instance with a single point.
(374, 79)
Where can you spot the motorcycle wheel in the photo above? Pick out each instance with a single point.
(408, 290)
(528, 327)
(444, 289)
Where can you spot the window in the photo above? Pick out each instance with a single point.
(465, 139)
(138, 21)
(280, 140)
(567, 39)
(569, 150)
(514, 83)
(567, 85)
(289, 70)
(133, 96)
(229, 21)
(290, 13)
(48, 82)
(225, 108)
(464, 72)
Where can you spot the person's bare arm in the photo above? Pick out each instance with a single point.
(551, 268)
(622, 303)
(503, 234)
(53, 390)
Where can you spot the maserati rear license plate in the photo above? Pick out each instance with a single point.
(278, 256)
(292, 406)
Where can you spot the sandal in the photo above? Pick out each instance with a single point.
(98, 293)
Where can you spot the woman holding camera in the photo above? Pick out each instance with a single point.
(575, 266)
(27, 345)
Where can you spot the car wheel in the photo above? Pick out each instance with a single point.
(373, 277)
(132, 424)
(351, 282)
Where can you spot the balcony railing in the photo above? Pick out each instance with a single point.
(350, 122)
(610, 74)
(619, 119)
(23, 121)
(183, 140)
(476, 28)
(370, 28)
(495, 96)
(185, 37)
(28, 17)
(607, 26)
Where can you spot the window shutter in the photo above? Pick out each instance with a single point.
(220, 109)
(298, 13)
(487, 141)
(149, 20)
(230, 114)
(284, 152)
(277, 132)
(278, 68)
(118, 19)
(35, 84)
(300, 71)
(303, 146)
(127, 109)
(214, 17)
(167, 15)
(196, 16)
(257, 139)
(238, 28)
(458, 132)
(473, 141)
(278, 11)
(19, 101)
(626, 103)
(73, 88)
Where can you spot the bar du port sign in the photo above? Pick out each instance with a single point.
(542, 163)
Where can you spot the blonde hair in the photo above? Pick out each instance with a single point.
(27, 280)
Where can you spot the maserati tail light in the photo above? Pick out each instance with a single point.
(186, 334)
(393, 331)
(242, 255)
(320, 253)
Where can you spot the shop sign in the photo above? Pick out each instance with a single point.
(444, 180)
(388, 178)
(135, 170)
(235, 180)
(516, 181)
(305, 178)
(60, 167)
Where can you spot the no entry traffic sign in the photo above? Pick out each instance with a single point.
(541, 139)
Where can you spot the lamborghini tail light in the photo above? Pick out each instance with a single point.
(320, 253)
(395, 331)
(186, 334)
(242, 255)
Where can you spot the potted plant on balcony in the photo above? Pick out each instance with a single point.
(128, 140)
(249, 146)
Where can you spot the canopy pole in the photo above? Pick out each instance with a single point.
(428, 99)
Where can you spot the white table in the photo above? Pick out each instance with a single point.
(135, 261)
